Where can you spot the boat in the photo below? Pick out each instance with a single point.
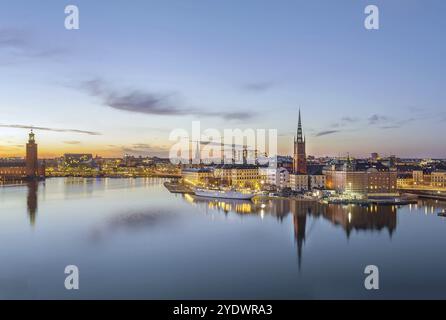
(224, 194)
(442, 213)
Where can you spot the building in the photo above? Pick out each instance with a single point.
(364, 181)
(196, 176)
(32, 165)
(438, 178)
(278, 177)
(428, 178)
(27, 169)
(317, 181)
(299, 182)
(299, 178)
(238, 175)
(299, 155)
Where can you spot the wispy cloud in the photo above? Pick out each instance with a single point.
(325, 133)
(345, 121)
(377, 119)
(18, 44)
(150, 102)
(258, 86)
(72, 142)
(19, 126)
(385, 122)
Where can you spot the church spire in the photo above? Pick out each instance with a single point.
(299, 129)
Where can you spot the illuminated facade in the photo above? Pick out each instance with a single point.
(433, 179)
(239, 175)
(196, 175)
(278, 177)
(370, 182)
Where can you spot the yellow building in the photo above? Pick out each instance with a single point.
(438, 179)
(239, 175)
(196, 176)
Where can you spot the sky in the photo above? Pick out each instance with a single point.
(136, 70)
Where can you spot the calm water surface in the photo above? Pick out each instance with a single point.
(131, 238)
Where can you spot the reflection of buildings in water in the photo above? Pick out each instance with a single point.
(349, 217)
(31, 201)
(354, 217)
(300, 210)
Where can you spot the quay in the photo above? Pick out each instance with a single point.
(175, 187)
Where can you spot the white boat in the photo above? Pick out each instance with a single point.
(224, 194)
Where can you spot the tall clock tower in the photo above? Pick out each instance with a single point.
(31, 157)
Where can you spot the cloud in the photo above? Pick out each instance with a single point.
(324, 133)
(349, 119)
(19, 126)
(149, 102)
(344, 121)
(72, 142)
(376, 119)
(257, 86)
(13, 38)
(16, 44)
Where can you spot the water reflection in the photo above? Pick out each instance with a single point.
(31, 201)
(349, 217)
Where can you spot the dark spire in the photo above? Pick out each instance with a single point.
(299, 130)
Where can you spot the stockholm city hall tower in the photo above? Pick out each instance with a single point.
(299, 155)
(32, 165)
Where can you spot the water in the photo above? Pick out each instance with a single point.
(131, 238)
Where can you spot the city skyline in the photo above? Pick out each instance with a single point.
(120, 85)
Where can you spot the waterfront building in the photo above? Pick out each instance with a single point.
(31, 160)
(364, 181)
(238, 175)
(299, 182)
(28, 169)
(196, 176)
(278, 177)
(404, 180)
(438, 179)
(424, 178)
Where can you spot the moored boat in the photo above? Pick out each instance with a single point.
(224, 194)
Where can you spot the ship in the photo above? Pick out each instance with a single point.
(224, 194)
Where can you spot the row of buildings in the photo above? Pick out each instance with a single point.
(370, 179)
(434, 179)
